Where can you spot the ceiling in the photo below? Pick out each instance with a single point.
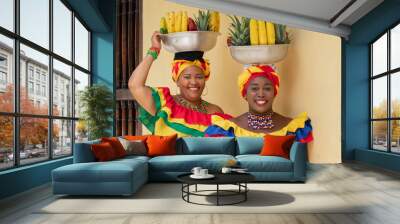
(326, 16)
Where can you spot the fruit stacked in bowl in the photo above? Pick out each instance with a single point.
(181, 33)
(254, 41)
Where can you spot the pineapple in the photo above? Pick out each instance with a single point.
(239, 31)
(202, 21)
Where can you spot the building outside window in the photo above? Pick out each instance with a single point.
(30, 87)
(34, 76)
(385, 91)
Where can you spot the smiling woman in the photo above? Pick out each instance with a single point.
(259, 84)
(186, 113)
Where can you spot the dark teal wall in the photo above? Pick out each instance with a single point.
(99, 15)
(355, 83)
(24, 178)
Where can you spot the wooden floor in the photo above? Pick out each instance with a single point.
(354, 182)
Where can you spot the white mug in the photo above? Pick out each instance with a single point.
(203, 172)
(196, 170)
(226, 170)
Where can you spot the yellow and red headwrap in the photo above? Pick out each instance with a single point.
(179, 65)
(255, 71)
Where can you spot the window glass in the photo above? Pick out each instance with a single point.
(81, 131)
(6, 142)
(81, 81)
(39, 62)
(34, 145)
(395, 47)
(7, 14)
(81, 45)
(379, 56)
(62, 91)
(395, 136)
(6, 74)
(395, 95)
(62, 29)
(379, 135)
(62, 138)
(34, 21)
(379, 100)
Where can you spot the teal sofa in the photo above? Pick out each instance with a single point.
(125, 176)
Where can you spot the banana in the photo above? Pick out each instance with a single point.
(270, 33)
(169, 23)
(184, 22)
(178, 21)
(253, 32)
(213, 21)
(262, 33)
(172, 19)
(163, 26)
(218, 24)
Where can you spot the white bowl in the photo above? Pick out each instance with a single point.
(189, 41)
(259, 54)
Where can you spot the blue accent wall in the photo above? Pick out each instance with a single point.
(355, 84)
(99, 15)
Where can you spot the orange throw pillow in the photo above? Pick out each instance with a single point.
(116, 145)
(277, 145)
(161, 145)
(103, 152)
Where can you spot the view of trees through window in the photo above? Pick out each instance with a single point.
(39, 112)
(385, 91)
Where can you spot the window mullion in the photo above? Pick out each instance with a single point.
(389, 104)
(50, 81)
(16, 69)
(73, 82)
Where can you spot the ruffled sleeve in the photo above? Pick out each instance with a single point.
(172, 118)
(300, 126)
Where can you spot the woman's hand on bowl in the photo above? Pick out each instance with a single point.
(156, 40)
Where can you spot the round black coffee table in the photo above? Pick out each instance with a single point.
(238, 179)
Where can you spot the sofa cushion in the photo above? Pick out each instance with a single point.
(249, 145)
(257, 163)
(206, 145)
(112, 171)
(185, 163)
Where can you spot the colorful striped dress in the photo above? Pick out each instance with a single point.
(171, 117)
(300, 126)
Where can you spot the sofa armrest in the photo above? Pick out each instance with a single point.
(83, 152)
(298, 155)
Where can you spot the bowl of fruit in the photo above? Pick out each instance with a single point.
(253, 41)
(181, 33)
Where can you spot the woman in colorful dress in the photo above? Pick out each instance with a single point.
(259, 84)
(186, 113)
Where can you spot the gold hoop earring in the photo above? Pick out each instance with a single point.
(206, 92)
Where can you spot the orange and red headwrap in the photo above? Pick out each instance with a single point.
(255, 71)
(179, 65)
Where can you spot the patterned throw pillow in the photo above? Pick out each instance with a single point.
(133, 147)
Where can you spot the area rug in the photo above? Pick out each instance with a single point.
(166, 198)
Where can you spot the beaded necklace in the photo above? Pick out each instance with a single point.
(260, 121)
(202, 107)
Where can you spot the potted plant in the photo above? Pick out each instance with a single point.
(97, 104)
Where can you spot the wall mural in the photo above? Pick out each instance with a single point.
(254, 43)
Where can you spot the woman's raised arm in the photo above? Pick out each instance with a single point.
(137, 81)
